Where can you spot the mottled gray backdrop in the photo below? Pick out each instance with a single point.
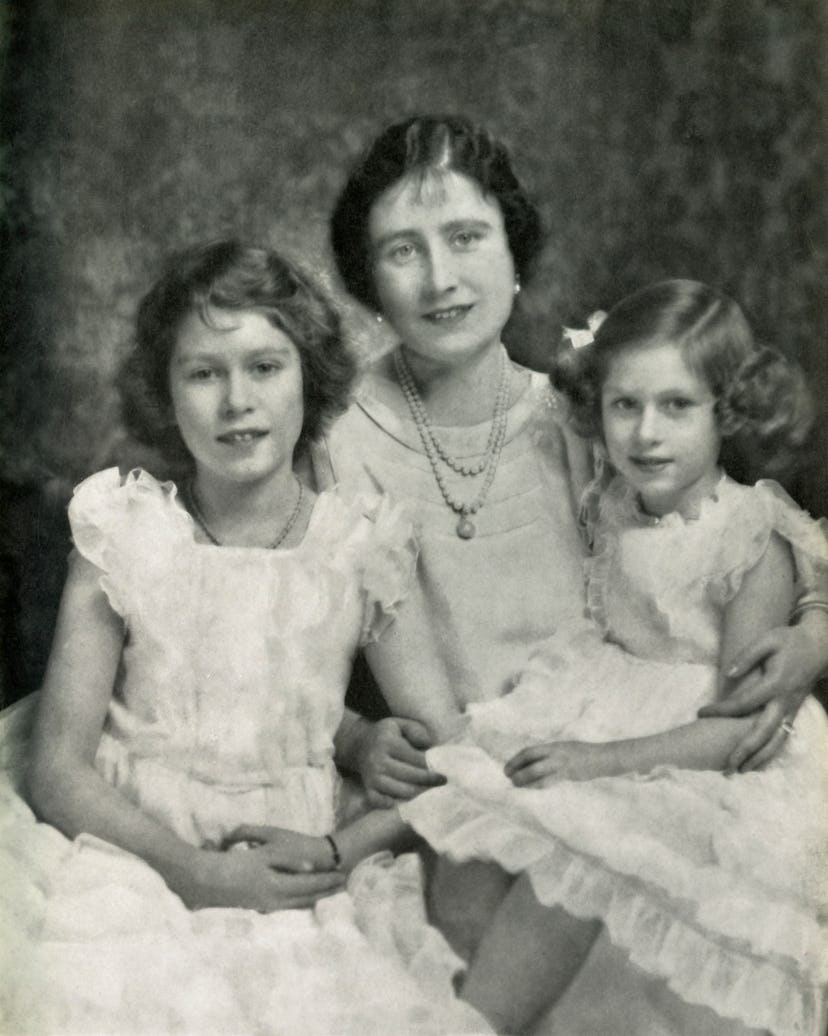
(660, 137)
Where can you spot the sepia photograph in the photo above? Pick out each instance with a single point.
(413, 517)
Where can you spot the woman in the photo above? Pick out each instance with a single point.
(435, 234)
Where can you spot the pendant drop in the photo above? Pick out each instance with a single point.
(465, 528)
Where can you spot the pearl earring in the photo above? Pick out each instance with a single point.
(517, 288)
(378, 317)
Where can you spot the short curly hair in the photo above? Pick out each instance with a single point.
(763, 405)
(416, 146)
(229, 275)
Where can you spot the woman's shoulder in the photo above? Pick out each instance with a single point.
(374, 422)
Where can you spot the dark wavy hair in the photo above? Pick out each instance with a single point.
(228, 275)
(417, 146)
(763, 405)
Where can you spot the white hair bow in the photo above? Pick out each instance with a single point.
(579, 337)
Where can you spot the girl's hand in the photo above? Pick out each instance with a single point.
(391, 761)
(288, 850)
(262, 878)
(772, 678)
(541, 765)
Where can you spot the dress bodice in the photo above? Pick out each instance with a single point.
(491, 599)
(660, 587)
(235, 660)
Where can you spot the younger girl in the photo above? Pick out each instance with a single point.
(618, 811)
(193, 697)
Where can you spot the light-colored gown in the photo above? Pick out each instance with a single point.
(226, 705)
(488, 601)
(715, 886)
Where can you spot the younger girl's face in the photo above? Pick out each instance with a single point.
(660, 428)
(442, 266)
(236, 391)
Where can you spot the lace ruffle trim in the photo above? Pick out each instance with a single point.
(388, 561)
(771, 992)
(115, 524)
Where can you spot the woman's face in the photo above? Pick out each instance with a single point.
(443, 271)
(236, 391)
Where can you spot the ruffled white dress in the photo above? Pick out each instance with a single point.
(716, 885)
(225, 709)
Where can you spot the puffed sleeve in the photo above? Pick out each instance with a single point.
(764, 510)
(127, 527)
(388, 561)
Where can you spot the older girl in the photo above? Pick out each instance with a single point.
(613, 800)
(192, 701)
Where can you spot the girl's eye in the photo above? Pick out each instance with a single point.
(678, 403)
(624, 403)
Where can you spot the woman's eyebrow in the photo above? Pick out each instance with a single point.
(393, 235)
(474, 222)
(450, 226)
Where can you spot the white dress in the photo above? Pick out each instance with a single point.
(225, 709)
(716, 885)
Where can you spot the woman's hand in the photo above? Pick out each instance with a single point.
(390, 759)
(279, 870)
(771, 678)
(540, 765)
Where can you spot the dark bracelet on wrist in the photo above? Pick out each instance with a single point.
(337, 856)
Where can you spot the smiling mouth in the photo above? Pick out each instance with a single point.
(242, 438)
(447, 316)
(650, 463)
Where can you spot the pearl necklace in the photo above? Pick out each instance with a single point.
(436, 452)
(195, 510)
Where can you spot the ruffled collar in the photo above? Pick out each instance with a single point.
(622, 501)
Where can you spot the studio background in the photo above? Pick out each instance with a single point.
(660, 138)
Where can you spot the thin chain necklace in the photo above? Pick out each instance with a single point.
(437, 453)
(195, 510)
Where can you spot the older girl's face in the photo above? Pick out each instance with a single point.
(236, 389)
(443, 271)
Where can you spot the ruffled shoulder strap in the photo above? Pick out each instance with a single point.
(606, 506)
(380, 540)
(754, 514)
(126, 526)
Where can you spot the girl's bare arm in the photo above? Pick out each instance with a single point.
(762, 602)
(66, 789)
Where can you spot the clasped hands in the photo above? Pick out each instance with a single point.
(265, 869)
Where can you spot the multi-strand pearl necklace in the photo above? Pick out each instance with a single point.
(437, 453)
(195, 510)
